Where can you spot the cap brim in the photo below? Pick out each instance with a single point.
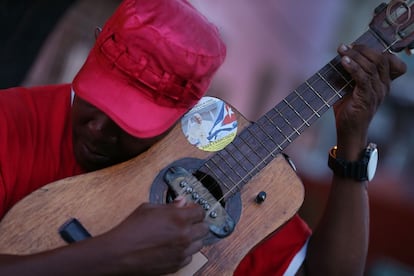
(128, 106)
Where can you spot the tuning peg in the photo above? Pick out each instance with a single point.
(380, 8)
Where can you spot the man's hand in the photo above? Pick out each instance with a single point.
(339, 244)
(372, 72)
(157, 239)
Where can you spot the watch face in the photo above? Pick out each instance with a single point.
(372, 164)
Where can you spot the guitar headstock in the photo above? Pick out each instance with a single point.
(394, 24)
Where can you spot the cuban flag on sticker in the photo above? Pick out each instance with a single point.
(225, 122)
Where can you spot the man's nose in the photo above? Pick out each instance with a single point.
(103, 128)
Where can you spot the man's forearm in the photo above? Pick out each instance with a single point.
(339, 244)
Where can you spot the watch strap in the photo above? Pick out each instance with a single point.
(357, 170)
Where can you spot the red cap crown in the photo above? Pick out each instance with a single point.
(153, 60)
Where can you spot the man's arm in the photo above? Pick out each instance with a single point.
(339, 244)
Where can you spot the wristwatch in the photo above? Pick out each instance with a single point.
(361, 170)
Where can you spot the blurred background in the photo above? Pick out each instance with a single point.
(273, 47)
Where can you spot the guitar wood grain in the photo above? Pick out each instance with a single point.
(102, 199)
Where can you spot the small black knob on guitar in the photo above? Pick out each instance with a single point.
(260, 198)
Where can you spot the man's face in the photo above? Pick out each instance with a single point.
(98, 142)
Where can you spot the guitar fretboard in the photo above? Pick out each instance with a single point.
(258, 144)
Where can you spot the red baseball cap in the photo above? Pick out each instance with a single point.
(152, 62)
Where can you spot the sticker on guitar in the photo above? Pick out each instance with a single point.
(210, 125)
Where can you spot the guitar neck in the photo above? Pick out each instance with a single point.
(259, 143)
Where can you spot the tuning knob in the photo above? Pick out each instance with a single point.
(260, 198)
(380, 8)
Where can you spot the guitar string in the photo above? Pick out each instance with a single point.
(304, 124)
(287, 138)
(272, 153)
(236, 185)
(274, 125)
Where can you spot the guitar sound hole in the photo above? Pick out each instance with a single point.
(161, 194)
(208, 182)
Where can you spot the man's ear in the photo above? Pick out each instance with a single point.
(98, 30)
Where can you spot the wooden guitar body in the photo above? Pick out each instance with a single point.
(102, 199)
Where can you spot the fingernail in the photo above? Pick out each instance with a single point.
(347, 59)
(343, 47)
(180, 201)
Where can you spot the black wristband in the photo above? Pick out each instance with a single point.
(360, 170)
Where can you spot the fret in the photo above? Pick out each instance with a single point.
(256, 152)
(217, 172)
(323, 88)
(329, 84)
(288, 122)
(372, 39)
(278, 125)
(242, 176)
(211, 171)
(301, 106)
(310, 97)
(242, 154)
(220, 170)
(340, 71)
(347, 81)
(337, 67)
(317, 94)
(296, 112)
(228, 154)
(238, 150)
(269, 129)
(255, 160)
(270, 138)
(226, 166)
(289, 109)
(261, 139)
(313, 111)
(366, 38)
(236, 160)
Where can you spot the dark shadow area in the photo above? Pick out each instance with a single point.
(25, 26)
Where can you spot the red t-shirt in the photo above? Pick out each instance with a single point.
(36, 149)
(35, 140)
(274, 255)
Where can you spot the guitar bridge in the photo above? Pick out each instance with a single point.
(185, 184)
